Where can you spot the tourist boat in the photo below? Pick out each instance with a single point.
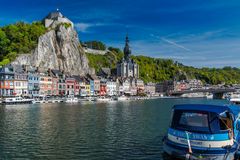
(71, 99)
(203, 132)
(16, 100)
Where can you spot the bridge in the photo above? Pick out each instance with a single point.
(217, 93)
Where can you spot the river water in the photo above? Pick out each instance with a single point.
(114, 130)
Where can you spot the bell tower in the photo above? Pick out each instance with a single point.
(127, 51)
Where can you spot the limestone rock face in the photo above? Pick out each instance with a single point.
(59, 48)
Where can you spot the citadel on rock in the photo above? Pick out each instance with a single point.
(58, 66)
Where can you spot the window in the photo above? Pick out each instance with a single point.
(225, 121)
(194, 119)
(190, 121)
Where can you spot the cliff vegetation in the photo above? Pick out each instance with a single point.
(18, 38)
(157, 69)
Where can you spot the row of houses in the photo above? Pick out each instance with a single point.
(23, 81)
(170, 85)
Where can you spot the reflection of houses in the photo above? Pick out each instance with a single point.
(20, 81)
(6, 79)
(127, 67)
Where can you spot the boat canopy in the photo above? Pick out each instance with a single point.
(203, 107)
(203, 118)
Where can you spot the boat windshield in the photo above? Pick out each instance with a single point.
(197, 121)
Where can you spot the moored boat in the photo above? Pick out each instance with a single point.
(235, 100)
(16, 100)
(103, 99)
(122, 98)
(71, 99)
(209, 96)
(203, 132)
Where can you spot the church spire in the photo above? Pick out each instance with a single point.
(127, 51)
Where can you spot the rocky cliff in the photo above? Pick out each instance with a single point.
(59, 48)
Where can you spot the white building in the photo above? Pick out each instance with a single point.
(20, 81)
(124, 86)
(150, 88)
(111, 88)
(140, 85)
(20, 84)
(127, 67)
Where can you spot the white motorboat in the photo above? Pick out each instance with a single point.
(209, 96)
(122, 98)
(90, 98)
(235, 100)
(71, 99)
(16, 100)
(103, 99)
(40, 99)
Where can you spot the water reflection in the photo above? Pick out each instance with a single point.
(116, 130)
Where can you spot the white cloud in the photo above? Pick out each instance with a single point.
(175, 44)
(82, 27)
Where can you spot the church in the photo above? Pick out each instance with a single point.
(127, 68)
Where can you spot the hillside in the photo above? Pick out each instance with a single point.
(17, 40)
(156, 69)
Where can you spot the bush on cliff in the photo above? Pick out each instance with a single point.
(18, 38)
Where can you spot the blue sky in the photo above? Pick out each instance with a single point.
(194, 32)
